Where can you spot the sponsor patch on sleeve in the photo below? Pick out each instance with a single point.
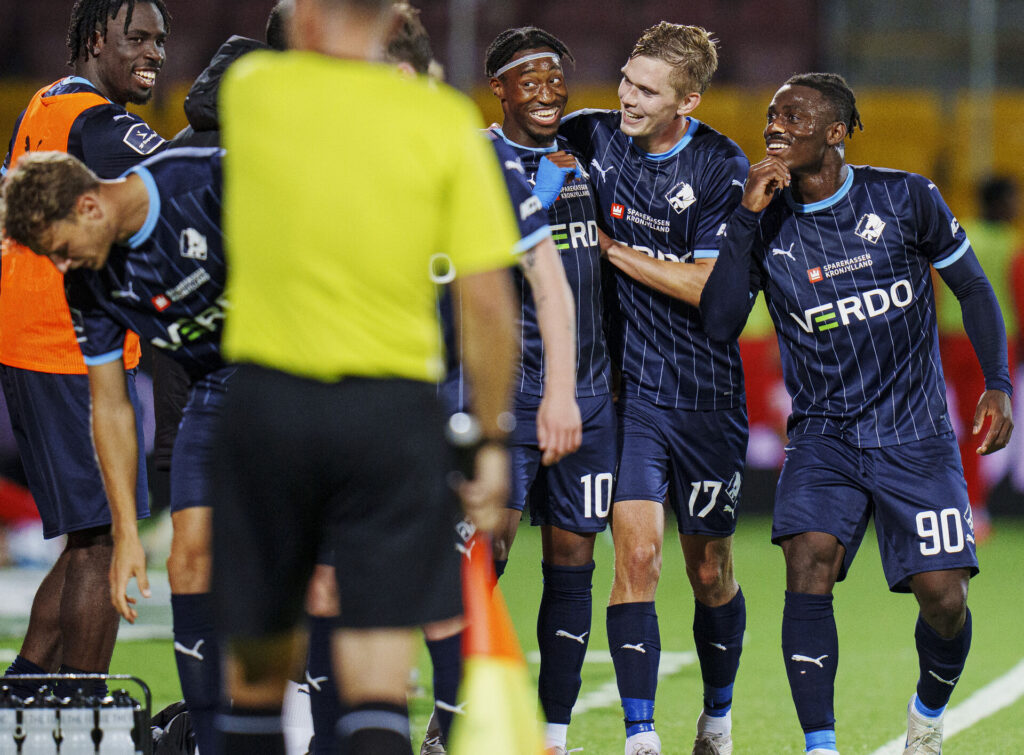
(142, 138)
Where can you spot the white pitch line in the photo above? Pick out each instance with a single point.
(988, 700)
(607, 695)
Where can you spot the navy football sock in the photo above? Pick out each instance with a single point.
(563, 631)
(21, 666)
(636, 650)
(941, 662)
(197, 654)
(92, 687)
(446, 657)
(499, 567)
(248, 731)
(810, 648)
(323, 693)
(718, 635)
(375, 728)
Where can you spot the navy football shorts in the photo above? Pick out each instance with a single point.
(50, 416)
(191, 462)
(916, 492)
(574, 494)
(693, 458)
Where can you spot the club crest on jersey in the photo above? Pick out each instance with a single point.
(161, 302)
(192, 244)
(681, 196)
(954, 226)
(814, 275)
(618, 211)
(870, 227)
(143, 139)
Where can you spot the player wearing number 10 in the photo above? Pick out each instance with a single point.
(844, 255)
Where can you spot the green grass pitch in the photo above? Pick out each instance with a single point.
(877, 667)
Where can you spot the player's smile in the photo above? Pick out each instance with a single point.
(533, 96)
(798, 118)
(130, 61)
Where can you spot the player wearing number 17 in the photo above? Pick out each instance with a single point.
(844, 254)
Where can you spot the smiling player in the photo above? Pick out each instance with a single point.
(666, 183)
(569, 500)
(844, 255)
(116, 51)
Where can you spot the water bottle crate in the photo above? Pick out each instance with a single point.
(76, 724)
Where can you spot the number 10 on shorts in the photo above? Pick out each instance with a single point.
(597, 494)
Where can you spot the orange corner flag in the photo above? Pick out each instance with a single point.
(501, 715)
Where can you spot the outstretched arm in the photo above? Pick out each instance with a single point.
(485, 303)
(983, 322)
(559, 426)
(113, 432)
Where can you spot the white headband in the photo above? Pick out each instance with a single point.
(527, 59)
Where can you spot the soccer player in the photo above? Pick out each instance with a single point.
(570, 500)
(150, 246)
(116, 51)
(844, 255)
(333, 414)
(666, 184)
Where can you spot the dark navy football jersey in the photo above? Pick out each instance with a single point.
(848, 284)
(107, 138)
(533, 228)
(573, 222)
(167, 282)
(672, 206)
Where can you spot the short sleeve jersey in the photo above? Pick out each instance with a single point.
(332, 232)
(166, 283)
(848, 284)
(672, 206)
(533, 228)
(69, 115)
(573, 219)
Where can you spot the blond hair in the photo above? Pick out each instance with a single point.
(690, 50)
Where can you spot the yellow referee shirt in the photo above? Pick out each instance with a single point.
(343, 182)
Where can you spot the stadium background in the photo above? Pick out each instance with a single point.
(940, 86)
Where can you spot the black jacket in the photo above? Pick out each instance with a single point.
(201, 103)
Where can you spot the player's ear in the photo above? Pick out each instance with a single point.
(95, 45)
(88, 206)
(688, 104)
(836, 133)
(497, 88)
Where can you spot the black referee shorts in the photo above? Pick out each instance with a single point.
(363, 460)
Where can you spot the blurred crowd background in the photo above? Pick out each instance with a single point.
(940, 87)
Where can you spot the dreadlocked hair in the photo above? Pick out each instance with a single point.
(838, 93)
(511, 41)
(89, 16)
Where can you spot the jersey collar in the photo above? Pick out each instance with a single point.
(146, 231)
(691, 127)
(822, 204)
(509, 142)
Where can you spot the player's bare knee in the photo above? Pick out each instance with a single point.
(640, 567)
(712, 581)
(189, 567)
(322, 596)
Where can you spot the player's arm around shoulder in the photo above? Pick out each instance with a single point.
(681, 281)
(113, 429)
(559, 424)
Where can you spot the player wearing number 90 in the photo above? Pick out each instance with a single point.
(844, 255)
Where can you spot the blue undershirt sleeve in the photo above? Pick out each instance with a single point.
(728, 293)
(982, 317)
